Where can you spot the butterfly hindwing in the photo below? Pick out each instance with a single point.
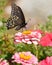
(13, 22)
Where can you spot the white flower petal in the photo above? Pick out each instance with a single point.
(33, 38)
(18, 34)
(29, 42)
(17, 41)
(26, 39)
(39, 35)
(35, 42)
(23, 41)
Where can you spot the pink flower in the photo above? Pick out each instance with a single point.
(25, 58)
(46, 40)
(3, 62)
(47, 61)
(18, 37)
(28, 37)
(36, 35)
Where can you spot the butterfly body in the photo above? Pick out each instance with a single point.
(16, 19)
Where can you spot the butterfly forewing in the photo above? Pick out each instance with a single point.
(16, 10)
(16, 19)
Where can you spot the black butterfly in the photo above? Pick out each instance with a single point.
(16, 19)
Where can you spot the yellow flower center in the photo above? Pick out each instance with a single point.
(25, 57)
(27, 32)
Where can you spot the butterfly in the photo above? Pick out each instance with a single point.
(17, 19)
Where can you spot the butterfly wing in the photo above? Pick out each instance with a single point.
(16, 10)
(17, 18)
(13, 21)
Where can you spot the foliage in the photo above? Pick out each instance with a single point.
(1, 11)
(3, 2)
(2, 30)
(44, 52)
(48, 26)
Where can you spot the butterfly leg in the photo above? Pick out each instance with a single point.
(18, 27)
(20, 30)
(24, 28)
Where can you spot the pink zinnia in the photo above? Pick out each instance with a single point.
(25, 58)
(46, 40)
(47, 61)
(3, 62)
(32, 37)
